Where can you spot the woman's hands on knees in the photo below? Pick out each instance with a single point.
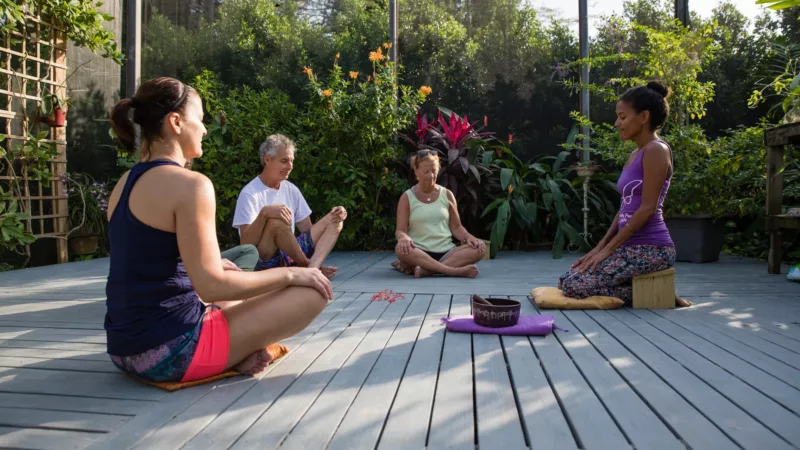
(313, 278)
(404, 244)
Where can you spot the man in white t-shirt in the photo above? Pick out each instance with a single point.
(269, 208)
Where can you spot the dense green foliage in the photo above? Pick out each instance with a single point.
(483, 59)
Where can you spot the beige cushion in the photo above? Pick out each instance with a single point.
(554, 298)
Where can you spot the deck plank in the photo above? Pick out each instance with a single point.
(364, 418)
(757, 352)
(172, 422)
(692, 426)
(709, 375)
(765, 342)
(70, 365)
(38, 439)
(543, 418)
(318, 425)
(46, 335)
(591, 422)
(73, 403)
(272, 427)
(737, 424)
(246, 410)
(453, 421)
(407, 423)
(498, 420)
(86, 384)
(640, 424)
(60, 420)
(722, 371)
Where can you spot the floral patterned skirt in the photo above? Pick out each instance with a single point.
(614, 276)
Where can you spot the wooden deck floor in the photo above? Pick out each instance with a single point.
(724, 374)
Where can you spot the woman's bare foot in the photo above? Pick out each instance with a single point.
(254, 364)
(419, 272)
(681, 302)
(328, 271)
(402, 267)
(470, 271)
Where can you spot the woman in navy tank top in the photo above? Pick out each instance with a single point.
(175, 310)
(638, 241)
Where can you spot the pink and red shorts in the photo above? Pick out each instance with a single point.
(200, 353)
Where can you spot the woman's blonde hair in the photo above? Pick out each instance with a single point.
(422, 155)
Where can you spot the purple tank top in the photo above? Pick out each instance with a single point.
(654, 231)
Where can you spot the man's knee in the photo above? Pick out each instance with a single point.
(274, 226)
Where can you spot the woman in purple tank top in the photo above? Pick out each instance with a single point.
(638, 241)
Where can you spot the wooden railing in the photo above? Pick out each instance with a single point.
(776, 139)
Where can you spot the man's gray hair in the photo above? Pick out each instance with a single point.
(273, 145)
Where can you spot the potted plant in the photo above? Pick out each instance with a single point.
(693, 219)
(88, 203)
(53, 110)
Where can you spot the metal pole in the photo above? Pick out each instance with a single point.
(682, 11)
(133, 47)
(583, 31)
(393, 31)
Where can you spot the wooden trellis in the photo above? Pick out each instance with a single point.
(33, 65)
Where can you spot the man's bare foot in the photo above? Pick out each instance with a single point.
(328, 271)
(470, 271)
(681, 302)
(254, 364)
(419, 272)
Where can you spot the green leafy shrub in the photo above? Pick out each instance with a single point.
(346, 148)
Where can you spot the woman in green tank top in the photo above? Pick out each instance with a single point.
(427, 222)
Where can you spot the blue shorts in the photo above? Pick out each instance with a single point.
(281, 259)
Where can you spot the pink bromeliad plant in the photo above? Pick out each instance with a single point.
(464, 150)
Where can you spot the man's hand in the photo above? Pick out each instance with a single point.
(280, 212)
(338, 214)
(228, 265)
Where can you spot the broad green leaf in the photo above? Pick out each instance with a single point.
(571, 136)
(505, 177)
(522, 212)
(558, 244)
(475, 172)
(571, 233)
(558, 199)
(559, 161)
(548, 200)
(492, 206)
(487, 158)
(537, 167)
(533, 211)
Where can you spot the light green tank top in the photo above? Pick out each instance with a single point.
(429, 224)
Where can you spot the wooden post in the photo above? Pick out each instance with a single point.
(59, 135)
(774, 205)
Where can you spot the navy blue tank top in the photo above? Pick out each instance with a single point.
(150, 298)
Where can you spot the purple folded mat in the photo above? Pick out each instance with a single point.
(540, 325)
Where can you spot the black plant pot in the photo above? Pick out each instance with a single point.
(697, 238)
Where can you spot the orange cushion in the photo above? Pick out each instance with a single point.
(277, 351)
